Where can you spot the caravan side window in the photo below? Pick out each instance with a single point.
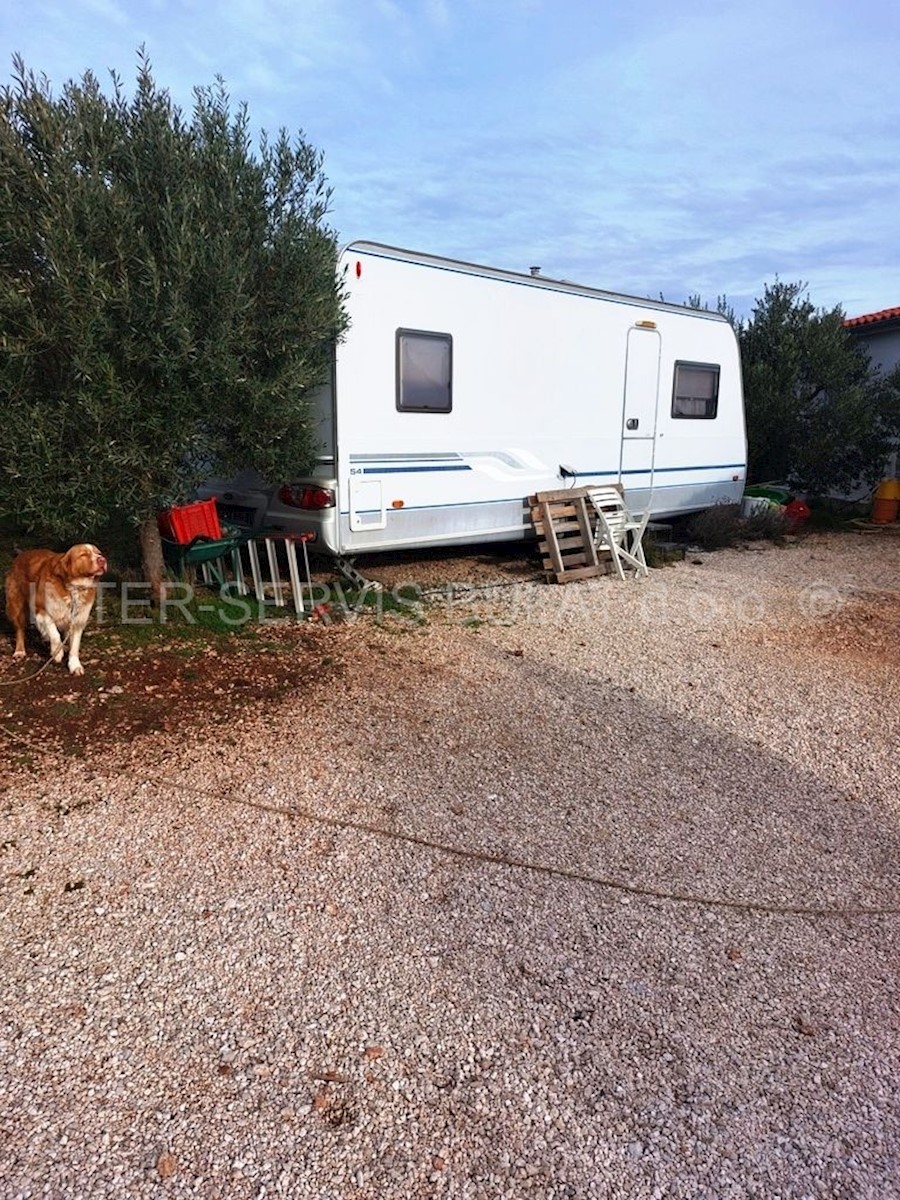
(696, 391)
(424, 371)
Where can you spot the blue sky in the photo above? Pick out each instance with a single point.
(650, 147)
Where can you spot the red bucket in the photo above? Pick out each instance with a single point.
(796, 514)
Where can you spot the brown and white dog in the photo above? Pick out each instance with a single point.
(59, 591)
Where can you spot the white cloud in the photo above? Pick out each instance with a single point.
(651, 147)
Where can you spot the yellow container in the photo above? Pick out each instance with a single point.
(886, 502)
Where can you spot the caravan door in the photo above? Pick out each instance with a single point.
(639, 408)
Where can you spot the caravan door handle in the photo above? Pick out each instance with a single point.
(632, 423)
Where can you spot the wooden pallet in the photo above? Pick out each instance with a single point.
(565, 538)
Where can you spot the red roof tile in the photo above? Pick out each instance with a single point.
(886, 314)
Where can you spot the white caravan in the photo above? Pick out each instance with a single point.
(458, 391)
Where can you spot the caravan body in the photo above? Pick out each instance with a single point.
(459, 391)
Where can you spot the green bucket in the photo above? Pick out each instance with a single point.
(763, 491)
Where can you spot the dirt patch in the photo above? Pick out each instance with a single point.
(864, 629)
(195, 688)
(166, 686)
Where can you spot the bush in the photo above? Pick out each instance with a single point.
(768, 525)
(722, 525)
(819, 413)
(716, 527)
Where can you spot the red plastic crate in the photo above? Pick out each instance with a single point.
(183, 522)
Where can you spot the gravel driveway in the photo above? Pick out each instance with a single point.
(565, 893)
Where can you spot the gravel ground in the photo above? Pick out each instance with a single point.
(563, 893)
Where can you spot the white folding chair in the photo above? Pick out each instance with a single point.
(617, 531)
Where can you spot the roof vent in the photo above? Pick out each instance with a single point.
(535, 270)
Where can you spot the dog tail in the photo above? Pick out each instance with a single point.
(16, 604)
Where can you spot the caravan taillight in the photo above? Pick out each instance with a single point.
(298, 496)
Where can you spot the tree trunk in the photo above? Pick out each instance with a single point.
(152, 556)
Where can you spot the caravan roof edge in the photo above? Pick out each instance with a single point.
(380, 250)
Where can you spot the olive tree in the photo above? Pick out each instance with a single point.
(819, 415)
(168, 298)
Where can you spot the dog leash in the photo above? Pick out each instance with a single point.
(34, 674)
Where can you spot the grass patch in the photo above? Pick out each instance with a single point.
(124, 617)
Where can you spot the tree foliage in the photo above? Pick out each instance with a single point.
(818, 413)
(167, 298)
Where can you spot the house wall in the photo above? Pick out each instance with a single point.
(883, 347)
(884, 350)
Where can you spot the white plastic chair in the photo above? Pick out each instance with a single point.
(618, 531)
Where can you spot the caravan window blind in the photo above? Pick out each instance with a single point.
(696, 391)
(424, 371)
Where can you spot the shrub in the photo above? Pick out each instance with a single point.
(722, 525)
(716, 527)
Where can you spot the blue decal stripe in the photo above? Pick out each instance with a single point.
(669, 470)
(579, 475)
(698, 467)
(410, 470)
(666, 487)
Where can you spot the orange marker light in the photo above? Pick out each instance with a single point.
(397, 503)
